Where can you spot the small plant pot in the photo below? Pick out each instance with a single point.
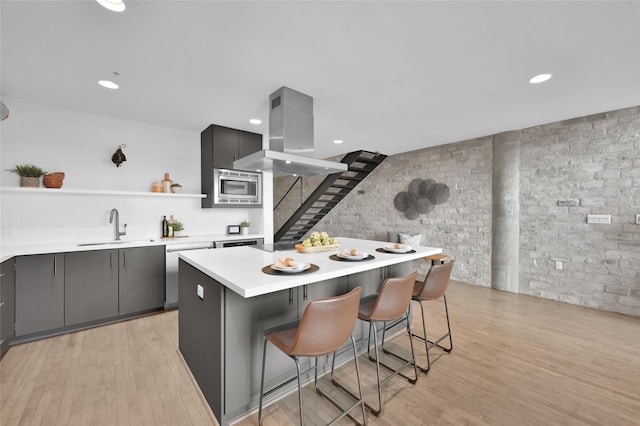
(29, 182)
(53, 180)
(244, 230)
(176, 189)
(177, 233)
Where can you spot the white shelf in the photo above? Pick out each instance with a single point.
(96, 192)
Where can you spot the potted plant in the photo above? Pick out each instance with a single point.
(176, 187)
(29, 175)
(244, 227)
(178, 227)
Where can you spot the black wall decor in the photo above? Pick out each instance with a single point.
(421, 198)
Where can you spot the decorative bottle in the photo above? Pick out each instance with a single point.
(165, 227)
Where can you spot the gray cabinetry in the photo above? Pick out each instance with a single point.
(7, 306)
(221, 340)
(142, 271)
(246, 319)
(91, 286)
(219, 147)
(39, 293)
(201, 332)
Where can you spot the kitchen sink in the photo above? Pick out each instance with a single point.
(106, 243)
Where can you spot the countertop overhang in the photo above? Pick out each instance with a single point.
(240, 268)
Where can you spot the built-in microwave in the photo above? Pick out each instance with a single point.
(235, 188)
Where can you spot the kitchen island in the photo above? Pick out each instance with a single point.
(226, 300)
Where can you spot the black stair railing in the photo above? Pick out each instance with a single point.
(328, 194)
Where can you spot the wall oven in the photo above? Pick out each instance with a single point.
(236, 188)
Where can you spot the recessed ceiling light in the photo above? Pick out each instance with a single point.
(108, 84)
(288, 161)
(115, 5)
(540, 78)
(255, 121)
(338, 141)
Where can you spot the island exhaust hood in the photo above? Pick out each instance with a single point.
(290, 139)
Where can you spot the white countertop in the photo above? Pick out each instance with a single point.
(240, 268)
(9, 251)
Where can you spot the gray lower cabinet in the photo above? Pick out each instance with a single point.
(7, 305)
(243, 346)
(220, 338)
(142, 275)
(91, 286)
(39, 293)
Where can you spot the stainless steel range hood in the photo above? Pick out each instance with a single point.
(290, 139)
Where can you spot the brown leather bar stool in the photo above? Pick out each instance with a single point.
(390, 304)
(325, 326)
(433, 287)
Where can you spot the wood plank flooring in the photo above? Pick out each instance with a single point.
(517, 360)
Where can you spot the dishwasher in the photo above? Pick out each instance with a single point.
(171, 277)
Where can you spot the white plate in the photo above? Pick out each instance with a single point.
(349, 257)
(289, 269)
(404, 249)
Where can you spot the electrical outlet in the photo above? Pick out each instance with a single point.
(559, 265)
(638, 219)
(200, 291)
(599, 218)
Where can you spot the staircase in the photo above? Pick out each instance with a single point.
(328, 194)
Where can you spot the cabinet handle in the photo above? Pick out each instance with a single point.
(1, 342)
(124, 259)
(55, 266)
(304, 292)
(1, 304)
(291, 296)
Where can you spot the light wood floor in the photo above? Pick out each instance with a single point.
(517, 360)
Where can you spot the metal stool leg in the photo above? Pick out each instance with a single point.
(436, 343)
(295, 359)
(360, 400)
(264, 359)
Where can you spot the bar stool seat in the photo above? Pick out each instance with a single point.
(324, 327)
(437, 258)
(391, 303)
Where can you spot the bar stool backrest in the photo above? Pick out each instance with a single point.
(326, 324)
(394, 298)
(435, 283)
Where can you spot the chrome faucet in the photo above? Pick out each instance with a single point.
(117, 224)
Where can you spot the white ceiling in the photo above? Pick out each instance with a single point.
(385, 76)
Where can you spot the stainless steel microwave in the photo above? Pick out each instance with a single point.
(236, 188)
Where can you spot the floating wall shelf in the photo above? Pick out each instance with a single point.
(96, 192)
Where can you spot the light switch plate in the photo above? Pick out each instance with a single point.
(200, 291)
(599, 218)
(638, 219)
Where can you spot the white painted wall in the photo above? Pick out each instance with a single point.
(81, 144)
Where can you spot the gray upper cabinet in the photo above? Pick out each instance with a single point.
(7, 306)
(219, 147)
(39, 293)
(141, 279)
(91, 286)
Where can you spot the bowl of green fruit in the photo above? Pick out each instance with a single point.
(318, 241)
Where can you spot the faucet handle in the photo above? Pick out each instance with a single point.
(125, 230)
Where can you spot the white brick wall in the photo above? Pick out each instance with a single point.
(589, 165)
(594, 160)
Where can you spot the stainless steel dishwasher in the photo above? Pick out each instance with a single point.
(171, 278)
